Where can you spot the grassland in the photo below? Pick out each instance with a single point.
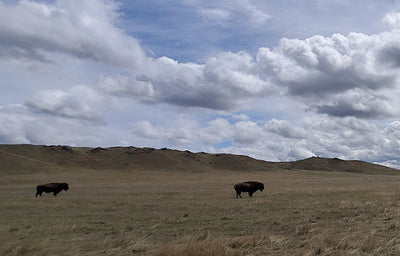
(134, 211)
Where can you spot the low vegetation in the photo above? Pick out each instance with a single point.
(150, 211)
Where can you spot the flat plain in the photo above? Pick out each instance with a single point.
(157, 211)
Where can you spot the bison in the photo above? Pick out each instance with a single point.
(54, 188)
(248, 186)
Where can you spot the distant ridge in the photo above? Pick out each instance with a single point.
(32, 158)
(338, 165)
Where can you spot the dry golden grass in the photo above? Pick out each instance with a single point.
(138, 212)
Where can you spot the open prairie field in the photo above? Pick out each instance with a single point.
(138, 212)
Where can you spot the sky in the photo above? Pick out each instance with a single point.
(274, 80)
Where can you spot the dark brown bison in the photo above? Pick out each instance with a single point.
(248, 186)
(54, 188)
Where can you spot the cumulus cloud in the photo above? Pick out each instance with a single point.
(282, 140)
(338, 75)
(224, 82)
(29, 30)
(392, 19)
(324, 71)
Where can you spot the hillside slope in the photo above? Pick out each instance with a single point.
(32, 158)
(124, 158)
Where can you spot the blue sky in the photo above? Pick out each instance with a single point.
(181, 30)
(275, 80)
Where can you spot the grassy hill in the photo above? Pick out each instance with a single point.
(24, 158)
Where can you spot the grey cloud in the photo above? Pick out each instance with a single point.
(389, 56)
(317, 84)
(366, 104)
(343, 109)
(30, 29)
(205, 99)
(79, 102)
(123, 86)
(224, 82)
(285, 129)
(14, 50)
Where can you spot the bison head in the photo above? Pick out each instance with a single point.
(261, 186)
(65, 186)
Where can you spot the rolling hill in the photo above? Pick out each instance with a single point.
(32, 158)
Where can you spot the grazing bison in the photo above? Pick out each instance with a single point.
(54, 188)
(248, 186)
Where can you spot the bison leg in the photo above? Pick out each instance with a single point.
(250, 194)
(238, 193)
(55, 193)
(38, 192)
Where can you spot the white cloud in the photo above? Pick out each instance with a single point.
(319, 71)
(282, 140)
(214, 15)
(18, 124)
(231, 12)
(147, 130)
(340, 75)
(12, 130)
(246, 132)
(392, 19)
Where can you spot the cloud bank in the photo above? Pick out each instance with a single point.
(336, 74)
